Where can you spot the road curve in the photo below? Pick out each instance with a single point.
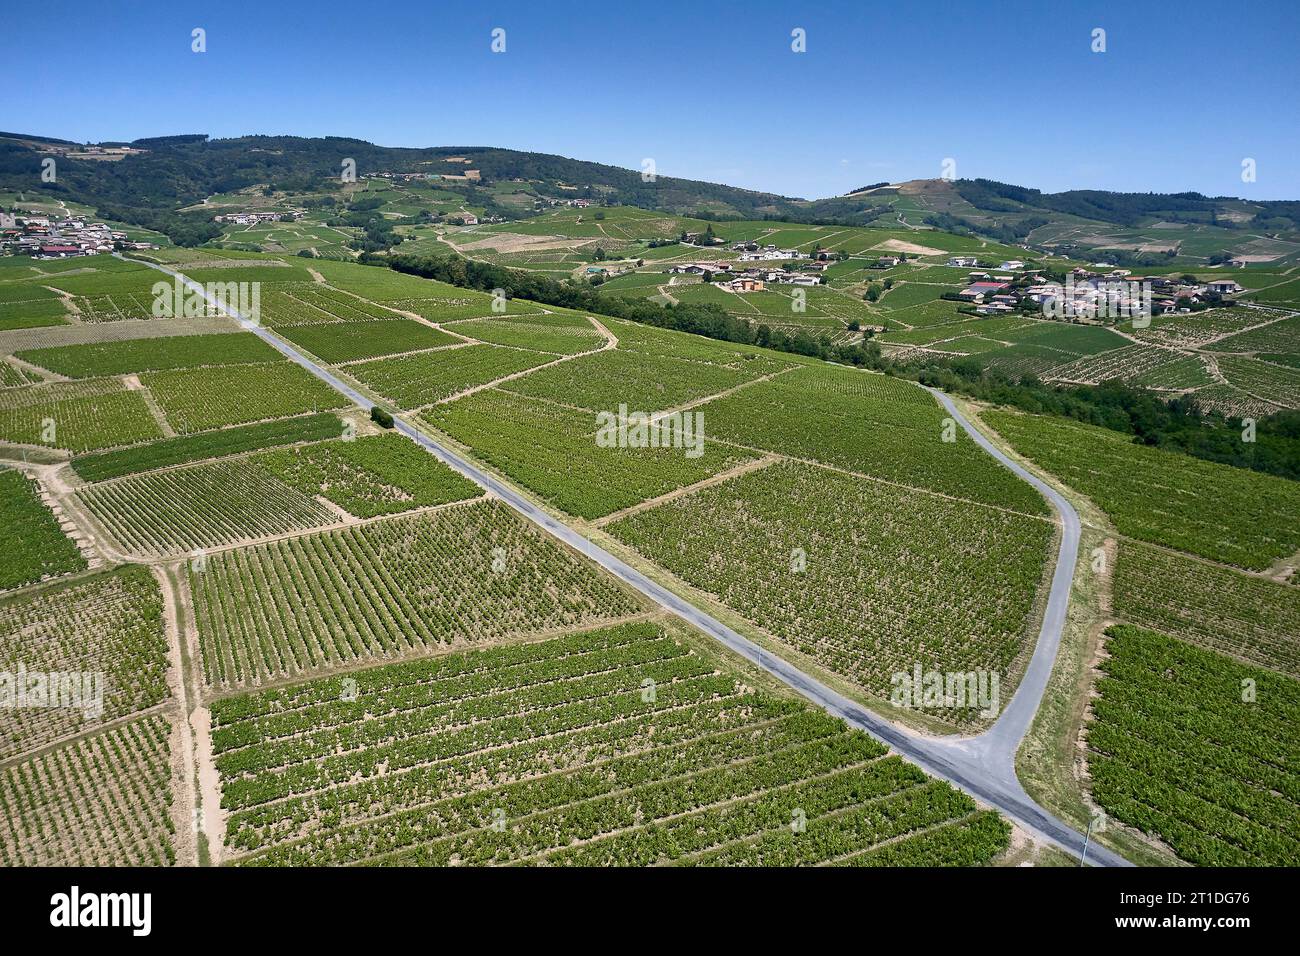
(982, 766)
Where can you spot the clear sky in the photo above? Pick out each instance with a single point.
(710, 90)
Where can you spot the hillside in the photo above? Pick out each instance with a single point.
(1149, 229)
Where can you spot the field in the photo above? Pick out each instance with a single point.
(413, 381)
(845, 570)
(644, 383)
(1281, 336)
(147, 355)
(103, 800)
(77, 416)
(377, 475)
(873, 424)
(552, 450)
(402, 585)
(1250, 618)
(108, 623)
(625, 746)
(1272, 383)
(350, 341)
(1227, 514)
(32, 543)
(1197, 750)
(195, 400)
(176, 511)
(214, 444)
(559, 335)
(1140, 365)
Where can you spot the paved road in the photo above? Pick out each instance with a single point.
(983, 766)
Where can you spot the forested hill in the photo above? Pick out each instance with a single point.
(176, 171)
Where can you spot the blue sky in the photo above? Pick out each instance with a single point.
(886, 90)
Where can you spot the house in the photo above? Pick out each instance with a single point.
(470, 220)
(963, 262)
(743, 284)
(1011, 264)
(887, 262)
(56, 251)
(979, 290)
(1223, 286)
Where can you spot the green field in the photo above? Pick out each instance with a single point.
(350, 341)
(147, 355)
(111, 624)
(1197, 750)
(1216, 511)
(32, 545)
(552, 450)
(842, 570)
(394, 587)
(201, 445)
(377, 475)
(195, 400)
(1246, 617)
(626, 746)
(78, 416)
(873, 424)
(413, 381)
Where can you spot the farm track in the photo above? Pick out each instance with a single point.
(982, 766)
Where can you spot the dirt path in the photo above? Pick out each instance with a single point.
(609, 343)
(184, 777)
(736, 472)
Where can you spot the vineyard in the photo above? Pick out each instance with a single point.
(460, 304)
(196, 400)
(209, 505)
(460, 576)
(1197, 750)
(412, 381)
(644, 383)
(1139, 365)
(377, 475)
(109, 623)
(1273, 383)
(1195, 330)
(1280, 336)
(648, 340)
(147, 355)
(554, 334)
(103, 800)
(860, 596)
(1227, 514)
(32, 542)
(624, 746)
(213, 444)
(1246, 617)
(78, 416)
(867, 423)
(552, 451)
(351, 341)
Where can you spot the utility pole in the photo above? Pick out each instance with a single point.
(1083, 858)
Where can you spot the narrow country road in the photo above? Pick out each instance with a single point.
(983, 766)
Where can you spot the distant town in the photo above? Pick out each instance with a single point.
(42, 237)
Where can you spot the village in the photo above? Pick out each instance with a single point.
(44, 238)
(1086, 293)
